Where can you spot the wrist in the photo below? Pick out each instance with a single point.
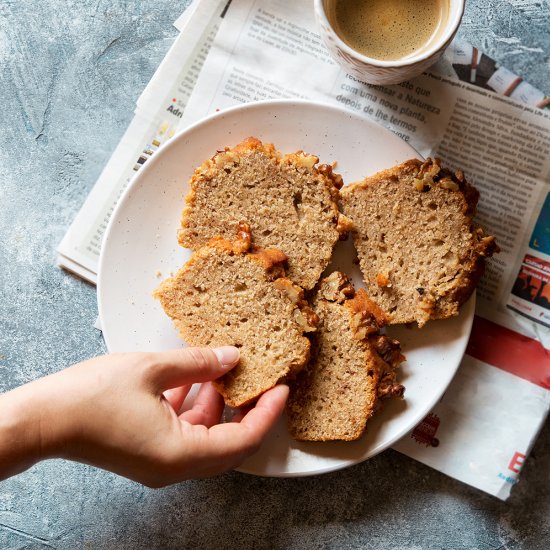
(33, 425)
(20, 441)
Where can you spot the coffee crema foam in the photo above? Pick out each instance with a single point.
(389, 30)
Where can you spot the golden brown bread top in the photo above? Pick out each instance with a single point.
(367, 317)
(427, 174)
(366, 321)
(272, 260)
(300, 159)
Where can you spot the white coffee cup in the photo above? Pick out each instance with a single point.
(377, 71)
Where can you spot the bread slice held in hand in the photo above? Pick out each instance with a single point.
(420, 252)
(352, 366)
(289, 201)
(231, 293)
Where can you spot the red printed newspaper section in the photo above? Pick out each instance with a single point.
(510, 351)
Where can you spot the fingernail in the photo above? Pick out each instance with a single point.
(227, 355)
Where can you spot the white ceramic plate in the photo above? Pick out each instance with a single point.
(141, 241)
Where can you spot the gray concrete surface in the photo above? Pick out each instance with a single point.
(71, 71)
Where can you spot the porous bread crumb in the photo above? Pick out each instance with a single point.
(352, 366)
(289, 201)
(232, 293)
(419, 249)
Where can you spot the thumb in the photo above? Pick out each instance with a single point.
(170, 369)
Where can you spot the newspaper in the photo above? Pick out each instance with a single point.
(454, 112)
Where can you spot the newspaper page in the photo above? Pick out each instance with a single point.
(157, 118)
(503, 145)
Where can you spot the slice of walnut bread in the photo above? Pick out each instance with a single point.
(231, 293)
(352, 366)
(419, 249)
(289, 201)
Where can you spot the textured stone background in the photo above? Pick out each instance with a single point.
(71, 72)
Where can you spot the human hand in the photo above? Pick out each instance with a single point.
(122, 412)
